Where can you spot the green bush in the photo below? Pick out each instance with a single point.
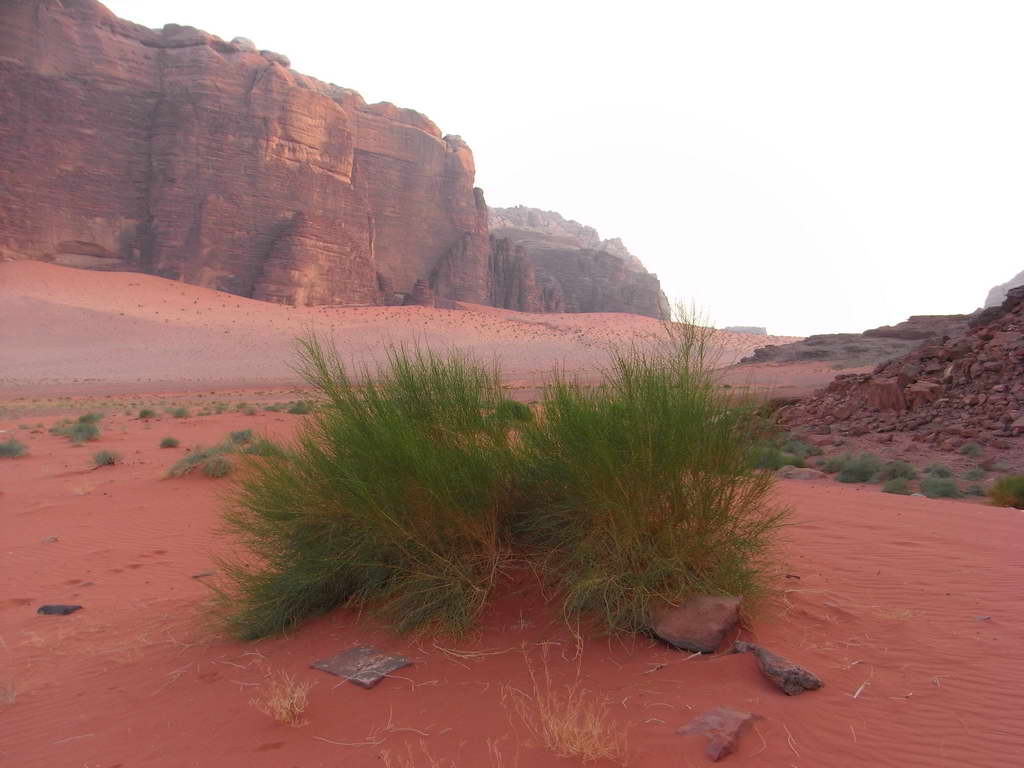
(274, 407)
(938, 470)
(169, 442)
(265, 448)
(76, 431)
(937, 487)
(12, 449)
(216, 466)
(975, 474)
(974, 490)
(90, 418)
(179, 413)
(1008, 491)
(768, 455)
(798, 447)
(893, 470)
(642, 491)
(393, 498)
(835, 463)
(971, 449)
(105, 458)
(240, 437)
(859, 469)
(301, 408)
(147, 413)
(898, 485)
(512, 411)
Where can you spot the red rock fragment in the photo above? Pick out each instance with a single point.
(723, 727)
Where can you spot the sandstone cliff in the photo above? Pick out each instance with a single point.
(560, 265)
(177, 153)
(998, 294)
(180, 154)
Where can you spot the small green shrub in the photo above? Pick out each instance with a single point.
(147, 413)
(169, 442)
(265, 448)
(975, 474)
(105, 458)
(835, 463)
(893, 470)
(898, 485)
(511, 411)
(90, 418)
(76, 431)
(12, 449)
(240, 437)
(971, 449)
(938, 470)
(859, 469)
(1008, 491)
(300, 408)
(768, 455)
(974, 490)
(798, 447)
(179, 413)
(274, 407)
(936, 487)
(195, 458)
(217, 466)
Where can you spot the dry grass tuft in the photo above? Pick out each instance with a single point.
(574, 722)
(284, 699)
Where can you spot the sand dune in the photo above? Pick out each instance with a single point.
(67, 330)
(909, 609)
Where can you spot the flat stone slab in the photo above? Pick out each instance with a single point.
(363, 665)
(789, 677)
(57, 610)
(699, 625)
(723, 727)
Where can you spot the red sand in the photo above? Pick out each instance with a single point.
(888, 603)
(64, 330)
(910, 609)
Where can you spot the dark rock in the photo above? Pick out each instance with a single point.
(700, 624)
(790, 678)
(57, 609)
(363, 665)
(723, 727)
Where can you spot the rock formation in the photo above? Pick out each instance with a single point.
(998, 293)
(867, 348)
(569, 267)
(177, 153)
(966, 387)
(752, 329)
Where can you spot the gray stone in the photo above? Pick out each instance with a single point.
(244, 44)
(363, 665)
(789, 472)
(790, 678)
(57, 609)
(723, 727)
(276, 58)
(699, 624)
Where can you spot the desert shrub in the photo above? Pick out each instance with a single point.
(800, 448)
(859, 469)
(105, 458)
(216, 466)
(768, 455)
(169, 442)
(893, 470)
(12, 449)
(265, 448)
(898, 485)
(90, 418)
(196, 458)
(975, 474)
(971, 449)
(300, 408)
(938, 470)
(76, 431)
(284, 699)
(974, 490)
(179, 413)
(835, 463)
(147, 413)
(642, 491)
(510, 411)
(392, 498)
(240, 437)
(1008, 491)
(24, 426)
(936, 487)
(274, 407)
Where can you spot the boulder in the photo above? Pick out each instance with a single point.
(244, 44)
(699, 624)
(790, 678)
(723, 727)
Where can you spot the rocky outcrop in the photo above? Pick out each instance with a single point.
(176, 153)
(967, 387)
(551, 264)
(752, 329)
(867, 348)
(998, 294)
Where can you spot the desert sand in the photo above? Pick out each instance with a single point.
(909, 609)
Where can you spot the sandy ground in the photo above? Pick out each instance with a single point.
(67, 331)
(909, 609)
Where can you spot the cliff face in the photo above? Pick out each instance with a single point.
(569, 267)
(176, 153)
(998, 294)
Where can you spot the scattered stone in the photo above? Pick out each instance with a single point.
(50, 540)
(723, 727)
(789, 472)
(790, 678)
(983, 618)
(700, 624)
(363, 665)
(57, 610)
(276, 58)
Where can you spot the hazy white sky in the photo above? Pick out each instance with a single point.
(818, 166)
